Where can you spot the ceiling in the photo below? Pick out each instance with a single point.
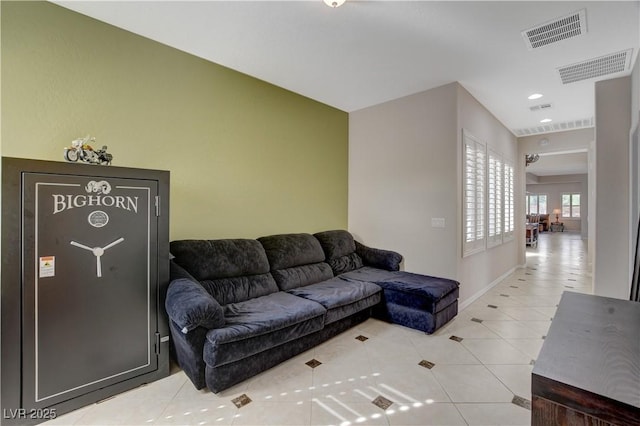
(367, 52)
(560, 163)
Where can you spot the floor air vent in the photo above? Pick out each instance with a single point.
(562, 28)
(597, 67)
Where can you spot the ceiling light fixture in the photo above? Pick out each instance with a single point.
(546, 120)
(535, 96)
(334, 3)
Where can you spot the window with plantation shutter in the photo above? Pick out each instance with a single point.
(473, 226)
(494, 200)
(509, 206)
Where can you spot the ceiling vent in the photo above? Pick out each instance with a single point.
(555, 127)
(540, 107)
(572, 25)
(597, 67)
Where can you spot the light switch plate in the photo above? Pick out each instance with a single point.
(437, 222)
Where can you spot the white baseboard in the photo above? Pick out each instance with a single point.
(492, 284)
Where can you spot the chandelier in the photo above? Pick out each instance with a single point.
(531, 158)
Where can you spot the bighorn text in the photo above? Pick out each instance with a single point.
(65, 202)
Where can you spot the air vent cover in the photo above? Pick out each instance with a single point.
(540, 107)
(555, 127)
(597, 67)
(572, 25)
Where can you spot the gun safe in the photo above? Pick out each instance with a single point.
(84, 273)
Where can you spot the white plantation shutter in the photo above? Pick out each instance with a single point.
(494, 200)
(474, 163)
(509, 206)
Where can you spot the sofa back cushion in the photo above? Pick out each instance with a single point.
(231, 271)
(296, 260)
(340, 250)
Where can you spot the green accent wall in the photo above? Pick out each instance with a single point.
(246, 158)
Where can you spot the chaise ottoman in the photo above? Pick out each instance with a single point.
(417, 301)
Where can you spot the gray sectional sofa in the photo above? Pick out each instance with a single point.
(239, 306)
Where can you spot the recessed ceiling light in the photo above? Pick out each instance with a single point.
(334, 3)
(546, 120)
(535, 96)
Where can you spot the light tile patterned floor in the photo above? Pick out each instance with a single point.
(397, 376)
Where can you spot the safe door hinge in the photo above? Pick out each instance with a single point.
(157, 205)
(157, 343)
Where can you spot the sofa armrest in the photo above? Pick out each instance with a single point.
(383, 259)
(189, 305)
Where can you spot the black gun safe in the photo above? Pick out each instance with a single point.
(85, 266)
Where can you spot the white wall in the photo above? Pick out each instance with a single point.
(402, 173)
(612, 269)
(558, 141)
(634, 158)
(591, 188)
(480, 270)
(405, 169)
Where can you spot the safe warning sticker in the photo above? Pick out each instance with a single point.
(47, 266)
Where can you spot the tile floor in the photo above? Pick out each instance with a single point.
(396, 376)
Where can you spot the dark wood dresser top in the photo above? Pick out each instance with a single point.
(593, 345)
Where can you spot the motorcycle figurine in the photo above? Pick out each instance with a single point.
(102, 156)
(81, 150)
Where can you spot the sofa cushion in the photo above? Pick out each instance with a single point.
(337, 293)
(230, 270)
(367, 273)
(213, 259)
(343, 264)
(340, 249)
(238, 289)
(296, 260)
(353, 308)
(288, 250)
(298, 276)
(336, 243)
(258, 324)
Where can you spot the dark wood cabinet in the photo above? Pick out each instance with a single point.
(588, 370)
(84, 273)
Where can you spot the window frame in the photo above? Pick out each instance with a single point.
(488, 196)
(495, 198)
(474, 155)
(527, 205)
(508, 233)
(571, 205)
